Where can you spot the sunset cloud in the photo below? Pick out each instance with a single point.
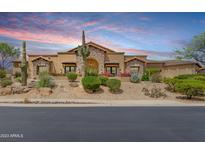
(38, 37)
(153, 34)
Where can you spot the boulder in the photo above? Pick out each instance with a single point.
(5, 91)
(16, 84)
(26, 89)
(32, 84)
(45, 91)
(17, 88)
(33, 92)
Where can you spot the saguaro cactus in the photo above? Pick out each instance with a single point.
(24, 65)
(84, 52)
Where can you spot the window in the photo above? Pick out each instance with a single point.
(70, 69)
(112, 70)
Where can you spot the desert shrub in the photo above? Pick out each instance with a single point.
(6, 82)
(89, 71)
(45, 80)
(190, 88)
(72, 76)
(154, 92)
(157, 93)
(201, 78)
(149, 72)
(134, 78)
(157, 78)
(91, 83)
(171, 82)
(103, 80)
(2, 73)
(17, 74)
(152, 71)
(114, 85)
(145, 76)
(18, 79)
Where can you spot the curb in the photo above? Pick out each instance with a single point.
(93, 103)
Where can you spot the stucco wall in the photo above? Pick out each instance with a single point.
(172, 71)
(56, 66)
(155, 65)
(70, 58)
(116, 58)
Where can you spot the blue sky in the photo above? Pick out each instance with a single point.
(154, 34)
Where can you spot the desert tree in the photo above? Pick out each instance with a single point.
(195, 49)
(7, 54)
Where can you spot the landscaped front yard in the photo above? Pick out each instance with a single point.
(129, 91)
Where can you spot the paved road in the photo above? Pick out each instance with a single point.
(103, 124)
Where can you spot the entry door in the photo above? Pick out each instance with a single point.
(42, 69)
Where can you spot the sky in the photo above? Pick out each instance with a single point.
(154, 34)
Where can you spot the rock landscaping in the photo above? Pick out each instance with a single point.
(99, 87)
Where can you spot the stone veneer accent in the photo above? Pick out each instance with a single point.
(39, 62)
(96, 54)
(135, 63)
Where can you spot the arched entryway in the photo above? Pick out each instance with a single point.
(92, 63)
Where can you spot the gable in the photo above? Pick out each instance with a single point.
(135, 59)
(95, 45)
(40, 59)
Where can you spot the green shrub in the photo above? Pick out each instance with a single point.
(114, 85)
(90, 71)
(134, 78)
(103, 80)
(2, 73)
(17, 74)
(18, 79)
(190, 88)
(6, 82)
(185, 76)
(45, 80)
(149, 72)
(201, 78)
(91, 83)
(152, 71)
(171, 82)
(72, 76)
(145, 76)
(157, 78)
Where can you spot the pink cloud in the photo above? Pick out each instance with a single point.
(119, 29)
(13, 19)
(136, 51)
(46, 37)
(147, 52)
(90, 23)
